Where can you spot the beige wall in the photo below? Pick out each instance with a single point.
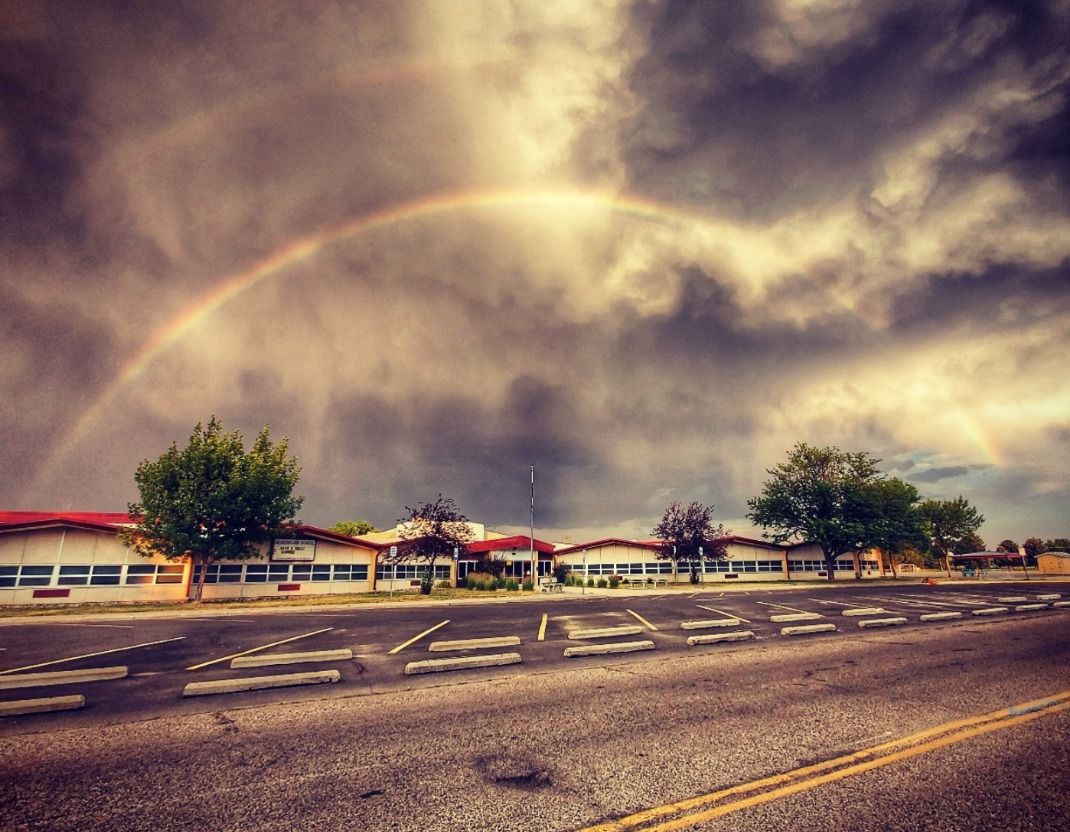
(1051, 564)
(61, 549)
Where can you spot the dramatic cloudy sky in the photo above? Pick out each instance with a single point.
(645, 246)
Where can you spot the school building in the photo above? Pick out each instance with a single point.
(76, 557)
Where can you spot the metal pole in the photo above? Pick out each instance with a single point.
(531, 539)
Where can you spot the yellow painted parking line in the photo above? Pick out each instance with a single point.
(542, 628)
(90, 655)
(809, 777)
(781, 606)
(415, 639)
(722, 612)
(642, 620)
(257, 649)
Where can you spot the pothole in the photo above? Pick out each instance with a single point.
(514, 771)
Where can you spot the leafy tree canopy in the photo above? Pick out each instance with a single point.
(353, 528)
(896, 524)
(431, 531)
(1007, 546)
(211, 500)
(952, 527)
(689, 536)
(824, 496)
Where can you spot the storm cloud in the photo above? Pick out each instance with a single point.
(643, 247)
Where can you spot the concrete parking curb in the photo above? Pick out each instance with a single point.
(1013, 599)
(292, 658)
(990, 611)
(882, 622)
(1030, 607)
(940, 616)
(61, 677)
(473, 644)
(1060, 603)
(1053, 596)
(604, 649)
(806, 629)
(286, 680)
(715, 638)
(19, 707)
(605, 632)
(782, 618)
(713, 622)
(864, 611)
(460, 663)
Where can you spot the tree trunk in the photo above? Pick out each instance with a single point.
(830, 567)
(199, 591)
(428, 583)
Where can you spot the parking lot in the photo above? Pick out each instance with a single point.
(116, 668)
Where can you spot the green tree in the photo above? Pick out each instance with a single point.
(687, 535)
(353, 528)
(211, 500)
(952, 527)
(897, 524)
(1007, 545)
(823, 496)
(431, 531)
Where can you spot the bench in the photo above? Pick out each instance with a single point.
(551, 586)
(640, 581)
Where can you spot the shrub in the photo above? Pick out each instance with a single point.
(614, 581)
(478, 580)
(561, 572)
(590, 582)
(602, 583)
(499, 583)
(528, 586)
(511, 585)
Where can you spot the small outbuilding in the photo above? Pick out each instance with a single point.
(1054, 563)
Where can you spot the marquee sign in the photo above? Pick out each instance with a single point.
(294, 550)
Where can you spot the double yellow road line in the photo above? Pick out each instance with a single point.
(687, 813)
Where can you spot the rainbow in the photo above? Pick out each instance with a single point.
(985, 443)
(306, 248)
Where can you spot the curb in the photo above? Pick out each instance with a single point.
(864, 611)
(1053, 596)
(794, 616)
(882, 622)
(1013, 599)
(318, 677)
(606, 632)
(807, 629)
(1030, 607)
(473, 644)
(1060, 603)
(460, 663)
(714, 638)
(291, 658)
(940, 616)
(604, 649)
(61, 677)
(20, 707)
(990, 611)
(713, 622)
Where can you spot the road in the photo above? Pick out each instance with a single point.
(164, 653)
(564, 745)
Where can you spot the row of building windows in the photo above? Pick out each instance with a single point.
(280, 573)
(664, 567)
(410, 571)
(90, 575)
(819, 565)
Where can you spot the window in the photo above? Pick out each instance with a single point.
(81, 575)
(806, 565)
(148, 573)
(350, 572)
(26, 575)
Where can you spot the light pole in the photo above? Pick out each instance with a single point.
(531, 537)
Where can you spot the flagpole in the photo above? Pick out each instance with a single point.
(531, 538)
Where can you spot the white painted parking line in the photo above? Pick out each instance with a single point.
(90, 655)
(542, 628)
(252, 650)
(824, 601)
(416, 638)
(782, 606)
(90, 624)
(722, 612)
(906, 602)
(642, 620)
(605, 632)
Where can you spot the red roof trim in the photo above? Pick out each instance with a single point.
(656, 544)
(517, 541)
